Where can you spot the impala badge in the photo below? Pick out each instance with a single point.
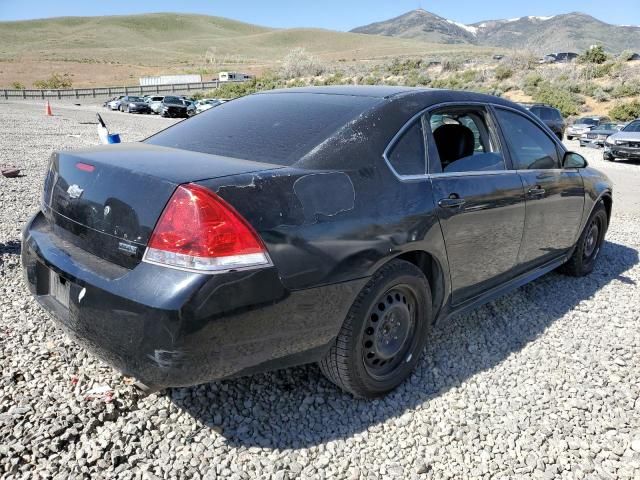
(127, 248)
(74, 191)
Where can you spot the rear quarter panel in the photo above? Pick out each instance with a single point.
(324, 227)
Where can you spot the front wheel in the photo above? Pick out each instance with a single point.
(384, 333)
(589, 244)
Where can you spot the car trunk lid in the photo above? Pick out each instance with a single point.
(106, 200)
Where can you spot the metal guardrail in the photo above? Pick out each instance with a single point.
(109, 92)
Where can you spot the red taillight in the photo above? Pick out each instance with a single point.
(85, 167)
(200, 231)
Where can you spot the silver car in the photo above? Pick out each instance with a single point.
(584, 125)
(624, 144)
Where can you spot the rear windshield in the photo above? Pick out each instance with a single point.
(546, 113)
(586, 121)
(276, 128)
(176, 100)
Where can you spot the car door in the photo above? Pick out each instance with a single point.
(480, 200)
(554, 196)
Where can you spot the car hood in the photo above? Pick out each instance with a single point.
(635, 136)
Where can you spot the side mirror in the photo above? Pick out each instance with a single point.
(574, 160)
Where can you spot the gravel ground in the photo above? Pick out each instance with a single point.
(542, 383)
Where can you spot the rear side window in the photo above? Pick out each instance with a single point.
(278, 128)
(407, 156)
(529, 145)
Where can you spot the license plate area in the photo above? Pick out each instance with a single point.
(59, 288)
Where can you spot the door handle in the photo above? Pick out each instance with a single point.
(537, 191)
(453, 201)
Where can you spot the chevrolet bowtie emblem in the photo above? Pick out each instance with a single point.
(74, 191)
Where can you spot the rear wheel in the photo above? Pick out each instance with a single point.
(384, 333)
(589, 244)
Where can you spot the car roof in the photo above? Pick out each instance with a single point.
(376, 91)
(427, 96)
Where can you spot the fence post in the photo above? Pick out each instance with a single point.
(94, 92)
(109, 94)
(173, 87)
(126, 90)
(6, 95)
(141, 92)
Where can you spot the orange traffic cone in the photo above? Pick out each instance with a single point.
(47, 110)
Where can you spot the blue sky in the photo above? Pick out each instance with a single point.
(332, 14)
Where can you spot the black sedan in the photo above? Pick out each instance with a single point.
(332, 225)
(174, 107)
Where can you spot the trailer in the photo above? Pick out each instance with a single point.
(233, 77)
(170, 79)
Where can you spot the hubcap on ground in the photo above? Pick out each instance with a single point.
(388, 331)
(591, 240)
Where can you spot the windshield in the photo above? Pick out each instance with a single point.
(175, 100)
(608, 126)
(278, 128)
(632, 127)
(135, 99)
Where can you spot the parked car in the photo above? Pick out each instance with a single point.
(306, 225)
(191, 106)
(155, 104)
(624, 144)
(597, 136)
(114, 103)
(550, 116)
(132, 104)
(584, 125)
(206, 104)
(173, 107)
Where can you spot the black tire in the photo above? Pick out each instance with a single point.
(589, 244)
(569, 138)
(128, 109)
(609, 158)
(385, 331)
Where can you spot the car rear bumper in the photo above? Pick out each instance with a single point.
(168, 327)
(135, 108)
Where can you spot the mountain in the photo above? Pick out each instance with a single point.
(422, 25)
(116, 50)
(567, 32)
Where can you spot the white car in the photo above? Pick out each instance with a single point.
(206, 104)
(155, 103)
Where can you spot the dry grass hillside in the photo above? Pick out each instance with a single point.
(116, 50)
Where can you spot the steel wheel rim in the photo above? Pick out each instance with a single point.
(388, 336)
(592, 239)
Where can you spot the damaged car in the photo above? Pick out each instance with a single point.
(624, 144)
(334, 225)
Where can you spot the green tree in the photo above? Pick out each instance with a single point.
(626, 111)
(55, 81)
(595, 54)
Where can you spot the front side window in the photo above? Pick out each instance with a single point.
(529, 145)
(466, 140)
(407, 156)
